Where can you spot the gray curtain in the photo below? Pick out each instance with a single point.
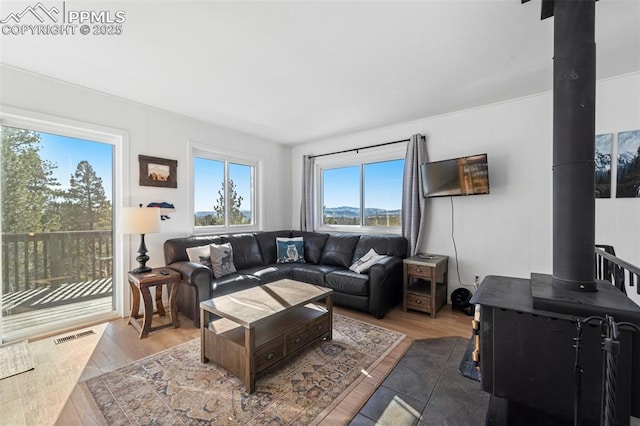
(306, 203)
(413, 203)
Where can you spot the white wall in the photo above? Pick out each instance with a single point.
(160, 134)
(509, 231)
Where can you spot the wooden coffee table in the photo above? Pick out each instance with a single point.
(260, 326)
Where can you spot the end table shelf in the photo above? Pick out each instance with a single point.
(425, 283)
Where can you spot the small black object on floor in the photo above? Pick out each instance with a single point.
(460, 301)
(425, 388)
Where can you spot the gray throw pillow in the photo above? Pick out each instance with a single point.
(222, 260)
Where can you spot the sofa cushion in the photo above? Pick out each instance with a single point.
(290, 250)
(246, 251)
(338, 250)
(232, 283)
(267, 243)
(312, 274)
(391, 245)
(348, 282)
(222, 259)
(175, 248)
(270, 273)
(313, 246)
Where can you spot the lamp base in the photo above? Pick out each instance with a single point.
(142, 270)
(142, 258)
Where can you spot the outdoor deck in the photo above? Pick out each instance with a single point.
(28, 308)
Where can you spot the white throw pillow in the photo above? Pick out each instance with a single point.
(222, 260)
(363, 264)
(201, 254)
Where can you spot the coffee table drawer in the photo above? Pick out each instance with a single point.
(303, 335)
(269, 354)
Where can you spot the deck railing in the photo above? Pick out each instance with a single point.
(37, 259)
(621, 274)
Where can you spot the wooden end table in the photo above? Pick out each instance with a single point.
(140, 285)
(429, 291)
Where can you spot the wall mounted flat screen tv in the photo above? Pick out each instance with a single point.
(457, 176)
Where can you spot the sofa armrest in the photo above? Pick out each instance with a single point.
(196, 288)
(389, 265)
(192, 272)
(385, 285)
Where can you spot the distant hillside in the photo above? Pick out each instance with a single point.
(352, 212)
(343, 211)
(246, 213)
(202, 214)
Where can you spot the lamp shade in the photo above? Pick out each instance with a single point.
(140, 220)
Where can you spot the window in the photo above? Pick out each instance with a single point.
(341, 196)
(383, 193)
(223, 192)
(57, 221)
(366, 195)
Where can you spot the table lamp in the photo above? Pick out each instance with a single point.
(141, 220)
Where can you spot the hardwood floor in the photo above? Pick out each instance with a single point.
(49, 394)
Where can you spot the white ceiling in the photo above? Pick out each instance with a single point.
(295, 72)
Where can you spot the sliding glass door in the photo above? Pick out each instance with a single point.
(56, 227)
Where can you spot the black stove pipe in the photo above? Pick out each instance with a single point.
(574, 72)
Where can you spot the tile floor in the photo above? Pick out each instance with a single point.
(425, 388)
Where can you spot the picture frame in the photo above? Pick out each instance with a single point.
(628, 173)
(159, 172)
(604, 145)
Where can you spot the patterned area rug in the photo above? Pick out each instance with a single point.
(174, 387)
(15, 358)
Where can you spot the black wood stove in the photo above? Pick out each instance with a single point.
(528, 326)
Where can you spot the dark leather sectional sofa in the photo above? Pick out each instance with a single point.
(327, 260)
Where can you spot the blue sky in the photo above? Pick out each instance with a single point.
(341, 187)
(383, 185)
(67, 152)
(208, 177)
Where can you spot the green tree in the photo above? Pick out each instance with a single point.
(206, 220)
(85, 205)
(235, 201)
(28, 185)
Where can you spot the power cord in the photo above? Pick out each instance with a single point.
(455, 248)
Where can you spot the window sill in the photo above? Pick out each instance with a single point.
(395, 230)
(204, 230)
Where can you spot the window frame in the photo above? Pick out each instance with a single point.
(119, 139)
(356, 158)
(198, 150)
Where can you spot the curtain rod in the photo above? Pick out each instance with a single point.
(358, 149)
